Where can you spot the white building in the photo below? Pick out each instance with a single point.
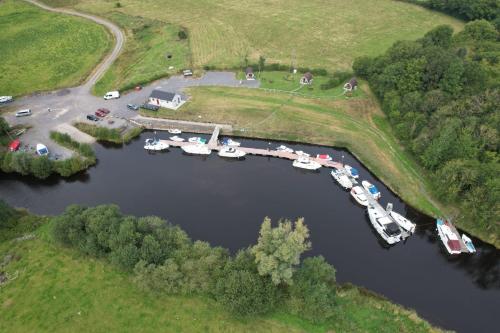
(166, 99)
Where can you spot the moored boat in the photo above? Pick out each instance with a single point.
(341, 178)
(448, 237)
(353, 172)
(197, 139)
(176, 138)
(306, 163)
(174, 131)
(230, 142)
(196, 149)
(468, 243)
(301, 153)
(231, 152)
(41, 149)
(403, 222)
(324, 157)
(372, 189)
(359, 195)
(386, 227)
(155, 145)
(284, 148)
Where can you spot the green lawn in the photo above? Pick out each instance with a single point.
(355, 123)
(58, 290)
(146, 54)
(42, 51)
(319, 33)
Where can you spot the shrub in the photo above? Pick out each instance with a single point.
(336, 79)
(182, 34)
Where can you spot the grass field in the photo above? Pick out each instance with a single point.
(58, 290)
(146, 53)
(356, 123)
(320, 33)
(43, 51)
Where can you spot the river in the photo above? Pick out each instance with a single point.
(224, 202)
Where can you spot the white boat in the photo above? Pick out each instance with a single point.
(197, 139)
(372, 189)
(341, 178)
(176, 138)
(324, 157)
(306, 163)
(284, 149)
(468, 243)
(174, 131)
(359, 195)
(301, 153)
(41, 149)
(5, 99)
(448, 237)
(386, 227)
(155, 144)
(197, 149)
(230, 142)
(231, 152)
(353, 172)
(403, 222)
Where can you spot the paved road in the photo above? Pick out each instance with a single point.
(73, 104)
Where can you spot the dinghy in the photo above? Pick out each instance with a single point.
(386, 227)
(372, 189)
(197, 149)
(306, 163)
(230, 142)
(41, 149)
(174, 131)
(358, 194)
(284, 149)
(468, 243)
(324, 157)
(340, 176)
(353, 172)
(231, 152)
(176, 138)
(448, 237)
(155, 145)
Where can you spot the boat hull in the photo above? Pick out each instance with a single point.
(196, 150)
(373, 214)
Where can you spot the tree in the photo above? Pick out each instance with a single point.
(262, 62)
(278, 249)
(4, 126)
(150, 250)
(41, 167)
(439, 36)
(480, 30)
(182, 34)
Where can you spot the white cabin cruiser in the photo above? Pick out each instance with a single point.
(284, 149)
(372, 189)
(468, 243)
(197, 149)
(231, 152)
(155, 144)
(174, 131)
(353, 172)
(306, 163)
(197, 139)
(340, 176)
(301, 153)
(41, 149)
(230, 142)
(448, 237)
(403, 222)
(176, 138)
(359, 195)
(387, 228)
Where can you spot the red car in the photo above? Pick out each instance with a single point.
(104, 110)
(100, 114)
(14, 145)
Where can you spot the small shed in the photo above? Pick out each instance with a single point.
(351, 85)
(307, 78)
(166, 99)
(249, 73)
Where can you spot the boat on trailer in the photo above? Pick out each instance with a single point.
(176, 138)
(174, 131)
(230, 142)
(306, 163)
(468, 243)
(341, 177)
(359, 195)
(372, 189)
(231, 152)
(402, 221)
(196, 149)
(155, 144)
(449, 238)
(353, 172)
(384, 224)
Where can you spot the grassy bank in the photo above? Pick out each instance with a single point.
(43, 51)
(71, 292)
(357, 124)
(153, 50)
(112, 135)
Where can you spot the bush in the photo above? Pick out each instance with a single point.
(182, 34)
(336, 79)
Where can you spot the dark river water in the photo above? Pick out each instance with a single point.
(224, 202)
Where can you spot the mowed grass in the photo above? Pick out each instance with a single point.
(152, 50)
(318, 33)
(58, 290)
(354, 123)
(42, 51)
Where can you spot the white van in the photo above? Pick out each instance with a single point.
(23, 113)
(112, 95)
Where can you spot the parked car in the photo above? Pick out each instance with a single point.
(187, 72)
(150, 107)
(104, 110)
(132, 107)
(23, 113)
(112, 95)
(92, 117)
(5, 99)
(14, 145)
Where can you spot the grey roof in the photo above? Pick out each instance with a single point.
(163, 95)
(249, 70)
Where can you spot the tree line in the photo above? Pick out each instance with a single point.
(266, 277)
(441, 96)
